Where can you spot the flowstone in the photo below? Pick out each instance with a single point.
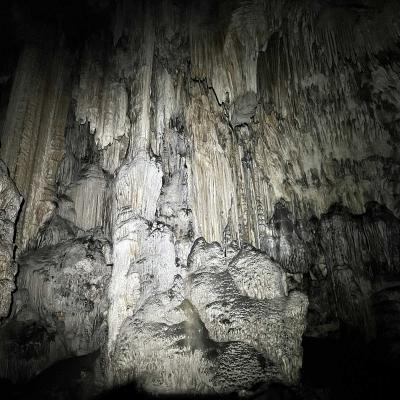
(254, 311)
(215, 330)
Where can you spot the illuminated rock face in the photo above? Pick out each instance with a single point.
(254, 310)
(206, 172)
(211, 329)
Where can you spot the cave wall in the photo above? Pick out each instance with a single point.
(270, 126)
(33, 139)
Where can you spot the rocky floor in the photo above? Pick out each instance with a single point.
(332, 369)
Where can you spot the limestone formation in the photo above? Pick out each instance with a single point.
(33, 139)
(256, 311)
(10, 201)
(61, 305)
(195, 333)
(205, 183)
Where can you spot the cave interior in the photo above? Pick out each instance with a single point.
(199, 199)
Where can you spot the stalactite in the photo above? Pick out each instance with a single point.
(196, 177)
(34, 130)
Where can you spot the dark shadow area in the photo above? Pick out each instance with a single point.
(131, 391)
(342, 367)
(348, 368)
(21, 21)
